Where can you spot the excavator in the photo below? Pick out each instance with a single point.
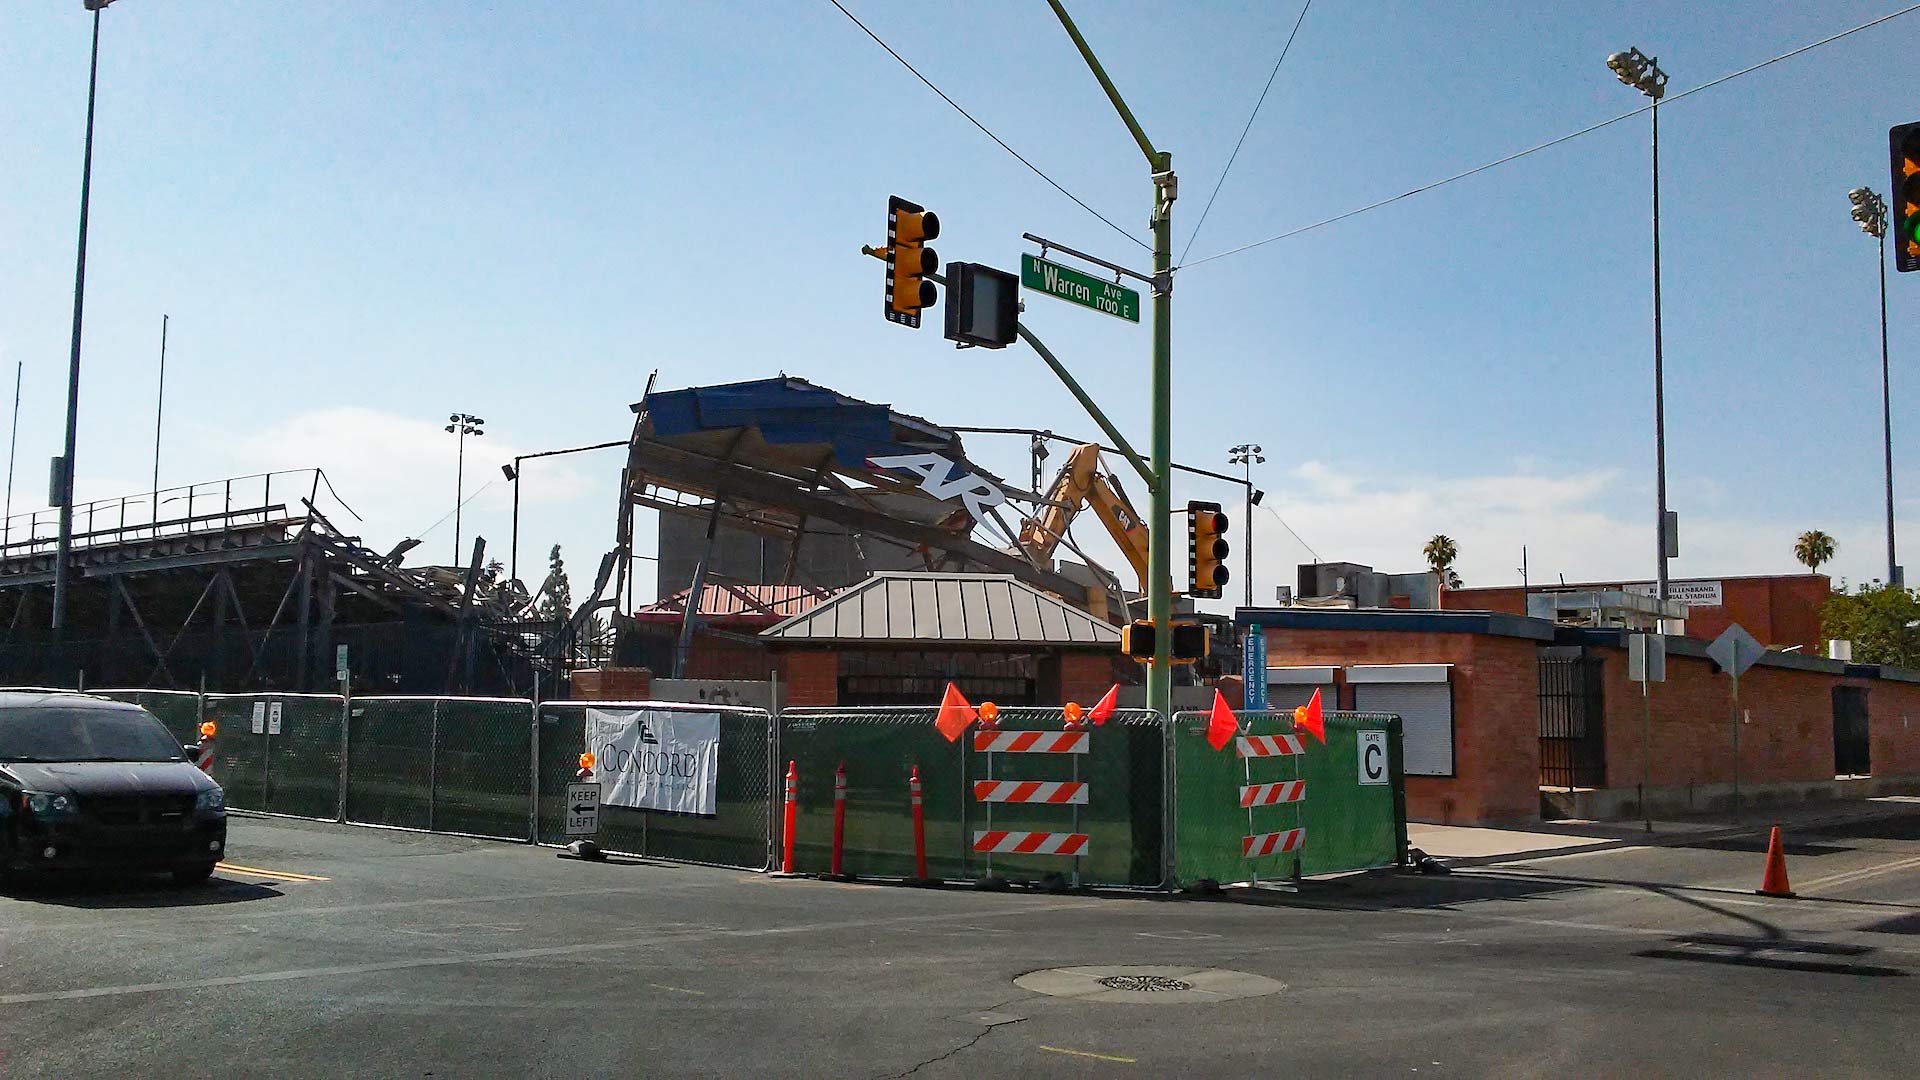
(1081, 482)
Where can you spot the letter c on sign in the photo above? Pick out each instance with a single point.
(1373, 757)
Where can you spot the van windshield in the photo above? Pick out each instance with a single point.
(42, 733)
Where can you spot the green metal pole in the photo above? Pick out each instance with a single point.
(1160, 515)
(1160, 524)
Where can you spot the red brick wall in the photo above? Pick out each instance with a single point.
(1495, 714)
(1780, 611)
(1084, 677)
(1786, 730)
(810, 677)
(610, 684)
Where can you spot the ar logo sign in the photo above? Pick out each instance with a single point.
(937, 480)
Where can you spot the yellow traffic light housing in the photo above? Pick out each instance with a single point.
(1206, 549)
(1903, 207)
(909, 260)
(1136, 640)
(1189, 642)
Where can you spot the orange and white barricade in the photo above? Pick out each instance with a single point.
(1072, 792)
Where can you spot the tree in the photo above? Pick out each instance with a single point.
(1813, 548)
(1440, 552)
(1882, 621)
(558, 602)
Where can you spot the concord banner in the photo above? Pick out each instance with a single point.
(656, 759)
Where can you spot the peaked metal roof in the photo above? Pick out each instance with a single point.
(974, 609)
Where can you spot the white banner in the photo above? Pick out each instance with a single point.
(656, 759)
(1694, 594)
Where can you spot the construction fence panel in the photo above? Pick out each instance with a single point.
(735, 835)
(277, 753)
(482, 782)
(1121, 768)
(390, 761)
(1346, 824)
(179, 710)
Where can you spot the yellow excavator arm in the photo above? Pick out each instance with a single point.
(1080, 484)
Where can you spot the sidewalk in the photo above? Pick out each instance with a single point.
(1462, 844)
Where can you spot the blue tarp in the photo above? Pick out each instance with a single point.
(786, 413)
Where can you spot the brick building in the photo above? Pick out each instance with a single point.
(1781, 610)
(1509, 718)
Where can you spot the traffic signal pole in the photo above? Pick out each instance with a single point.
(1160, 514)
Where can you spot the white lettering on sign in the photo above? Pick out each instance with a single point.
(583, 809)
(937, 480)
(1702, 594)
(259, 718)
(1373, 757)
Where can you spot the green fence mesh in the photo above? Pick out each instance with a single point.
(1348, 825)
(734, 836)
(295, 771)
(178, 709)
(390, 762)
(1122, 818)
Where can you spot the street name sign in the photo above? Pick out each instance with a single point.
(583, 809)
(1075, 287)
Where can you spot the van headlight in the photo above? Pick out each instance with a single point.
(41, 804)
(210, 799)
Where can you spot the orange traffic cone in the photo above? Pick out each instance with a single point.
(1774, 883)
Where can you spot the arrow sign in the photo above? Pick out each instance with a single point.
(583, 809)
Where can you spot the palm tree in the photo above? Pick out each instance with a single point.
(1440, 552)
(1813, 548)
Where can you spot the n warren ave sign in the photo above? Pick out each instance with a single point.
(1075, 287)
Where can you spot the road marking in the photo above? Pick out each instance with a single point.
(678, 989)
(1090, 1054)
(279, 875)
(1848, 877)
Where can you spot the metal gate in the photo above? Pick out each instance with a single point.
(1851, 756)
(1573, 745)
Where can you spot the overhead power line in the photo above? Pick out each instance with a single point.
(1284, 49)
(1551, 142)
(983, 128)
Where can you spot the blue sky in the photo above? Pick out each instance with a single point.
(362, 216)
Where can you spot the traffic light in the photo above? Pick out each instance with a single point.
(1904, 150)
(909, 260)
(1206, 550)
(1190, 641)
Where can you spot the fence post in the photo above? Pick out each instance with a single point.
(533, 767)
(433, 763)
(774, 777)
(346, 743)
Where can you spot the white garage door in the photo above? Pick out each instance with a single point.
(1285, 697)
(1426, 716)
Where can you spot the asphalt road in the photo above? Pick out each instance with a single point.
(350, 951)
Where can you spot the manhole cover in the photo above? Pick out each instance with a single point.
(1143, 982)
(1148, 984)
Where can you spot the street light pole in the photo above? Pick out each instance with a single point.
(1870, 212)
(1636, 69)
(64, 552)
(1248, 455)
(461, 425)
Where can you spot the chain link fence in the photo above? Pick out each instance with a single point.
(1137, 804)
(737, 834)
(1122, 818)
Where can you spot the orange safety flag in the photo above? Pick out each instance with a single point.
(1308, 718)
(955, 714)
(1221, 726)
(1103, 711)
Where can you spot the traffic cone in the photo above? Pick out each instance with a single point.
(1774, 883)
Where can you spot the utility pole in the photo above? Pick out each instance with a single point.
(1160, 514)
(13, 443)
(1634, 68)
(1870, 212)
(159, 404)
(461, 425)
(1248, 455)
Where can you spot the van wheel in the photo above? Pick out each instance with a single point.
(193, 875)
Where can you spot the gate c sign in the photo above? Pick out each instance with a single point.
(1373, 757)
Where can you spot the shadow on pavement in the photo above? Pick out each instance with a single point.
(130, 893)
(1387, 890)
